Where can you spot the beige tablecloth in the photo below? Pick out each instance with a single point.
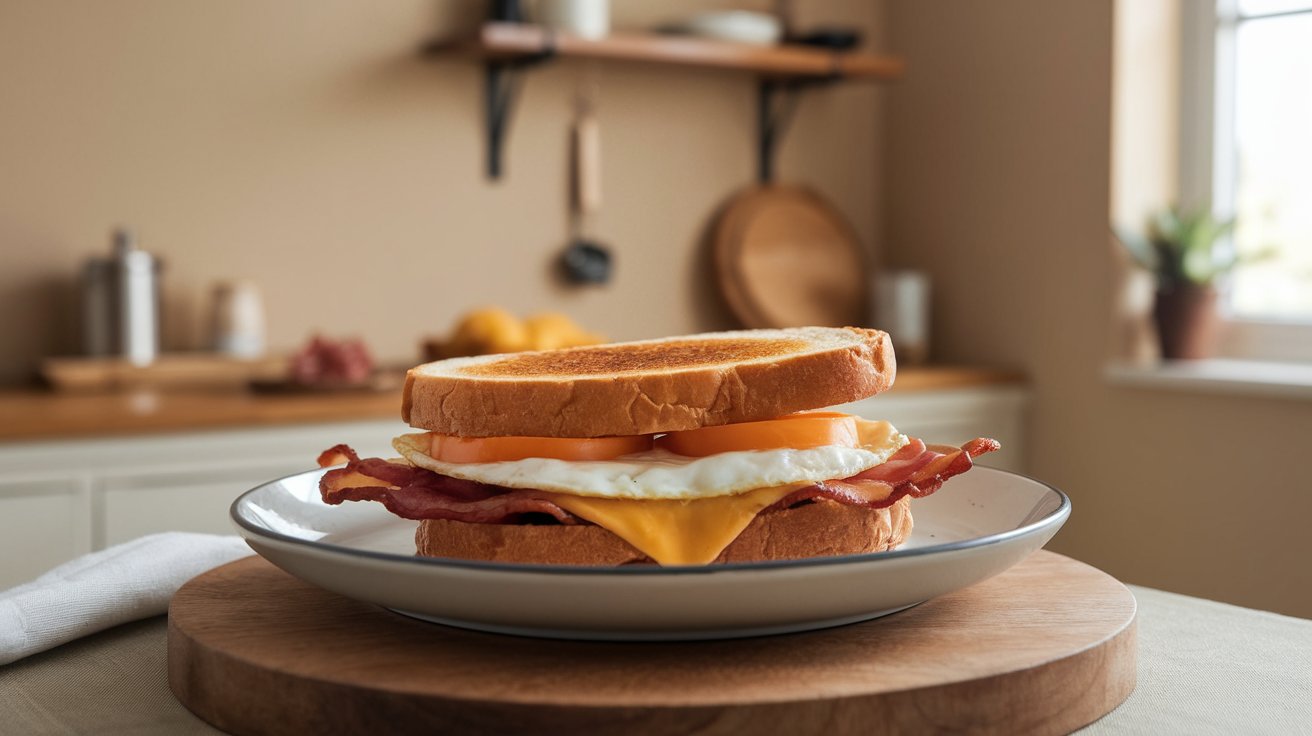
(1204, 668)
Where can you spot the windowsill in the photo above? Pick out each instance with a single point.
(1219, 376)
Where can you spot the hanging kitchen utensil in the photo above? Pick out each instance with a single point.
(785, 258)
(585, 261)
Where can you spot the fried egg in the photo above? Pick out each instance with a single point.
(660, 474)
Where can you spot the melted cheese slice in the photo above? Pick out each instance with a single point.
(676, 532)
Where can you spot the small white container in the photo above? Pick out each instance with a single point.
(740, 26)
(237, 319)
(902, 310)
(137, 297)
(582, 18)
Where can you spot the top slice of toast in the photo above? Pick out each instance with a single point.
(649, 386)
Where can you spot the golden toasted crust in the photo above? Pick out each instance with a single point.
(819, 529)
(649, 386)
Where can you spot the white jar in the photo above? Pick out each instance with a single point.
(902, 310)
(582, 18)
(237, 319)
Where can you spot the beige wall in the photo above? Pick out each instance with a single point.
(306, 146)
(997, 175)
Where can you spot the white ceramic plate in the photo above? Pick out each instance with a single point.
(978, 525)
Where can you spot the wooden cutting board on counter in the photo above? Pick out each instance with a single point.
(171, 370)
(1045, 647)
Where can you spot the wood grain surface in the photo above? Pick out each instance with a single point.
(1046, 647)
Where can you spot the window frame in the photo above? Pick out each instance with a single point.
(1207, 160)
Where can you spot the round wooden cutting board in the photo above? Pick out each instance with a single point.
(785, 258)
(1046, 647)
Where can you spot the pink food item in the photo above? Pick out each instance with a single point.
(328, 362)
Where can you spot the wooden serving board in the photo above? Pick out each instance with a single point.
(171, 370)
(1046, 647)
(784, 257)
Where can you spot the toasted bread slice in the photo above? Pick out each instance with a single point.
(651, 386)
(820, 529)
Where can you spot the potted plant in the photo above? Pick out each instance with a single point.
(1181, 251)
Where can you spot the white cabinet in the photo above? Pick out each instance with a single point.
(64, 498)
(43, 522)
(137, 504)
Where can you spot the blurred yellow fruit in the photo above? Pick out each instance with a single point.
(488, 330)
(495, 330)
(552, 331)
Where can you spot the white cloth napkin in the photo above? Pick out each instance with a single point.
(130, 581)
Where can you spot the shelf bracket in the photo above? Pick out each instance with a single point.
(776, 103)
(501, 82)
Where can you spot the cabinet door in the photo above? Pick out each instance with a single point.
(133, 505)
(43, 523)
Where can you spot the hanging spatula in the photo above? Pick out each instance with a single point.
(585, 261)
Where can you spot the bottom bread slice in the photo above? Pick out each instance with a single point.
(817, 529)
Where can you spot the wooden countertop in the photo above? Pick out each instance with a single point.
(43, 415)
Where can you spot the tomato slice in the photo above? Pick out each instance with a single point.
(452, 449)
(795, 431)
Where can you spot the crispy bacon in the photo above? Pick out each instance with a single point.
(916, 470)
(418, 493)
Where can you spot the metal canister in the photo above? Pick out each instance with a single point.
(99, 307)
(137, 296)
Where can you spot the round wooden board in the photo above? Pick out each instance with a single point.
(1046, 647)
(784, 257)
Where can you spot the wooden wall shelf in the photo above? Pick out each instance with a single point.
(506, 48)
(508, 41)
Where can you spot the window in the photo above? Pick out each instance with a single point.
(1246, 147)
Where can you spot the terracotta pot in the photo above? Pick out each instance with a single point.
(1187, 322)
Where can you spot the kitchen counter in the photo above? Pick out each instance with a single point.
(43, 415)
(1204, 667)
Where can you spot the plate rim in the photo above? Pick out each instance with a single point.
(1057, 516)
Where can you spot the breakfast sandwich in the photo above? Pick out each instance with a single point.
(680, 451)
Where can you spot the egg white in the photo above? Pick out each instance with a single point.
(660, 474)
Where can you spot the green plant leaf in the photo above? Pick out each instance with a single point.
(1198, 265)
(1184, 246)
(1138, 247)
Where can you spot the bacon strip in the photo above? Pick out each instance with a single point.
(418, 493)
(916, 470)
